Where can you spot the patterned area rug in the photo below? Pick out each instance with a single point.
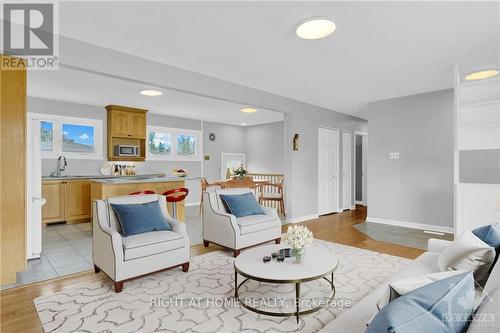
(202, 299)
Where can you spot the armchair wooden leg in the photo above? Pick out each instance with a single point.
(236, 253)
(185, 267)
(205, 243)
(277, 241)
(96, 269)
(118, 287)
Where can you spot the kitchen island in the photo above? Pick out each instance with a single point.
(104, 188)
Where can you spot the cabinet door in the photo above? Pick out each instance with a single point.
(137, 125)
(54, 208)
(77, 200)
(119, 123)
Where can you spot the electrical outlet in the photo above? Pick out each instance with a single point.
(394, 156)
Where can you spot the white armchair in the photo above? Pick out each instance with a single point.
(224, 229)
(124, 258)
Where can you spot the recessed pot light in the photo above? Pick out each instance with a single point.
(248, 110)
(149, 92)
(315, 28)
(243, 124)
(480, 75)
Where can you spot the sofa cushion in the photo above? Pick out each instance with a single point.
(490, 234)
(150, 243)
(404, 286)
(442, 306)
(468, 252)
(241, 205)
(254, 223)
(140, 218)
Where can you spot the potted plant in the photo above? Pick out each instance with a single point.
(240, 172)
(299, 238)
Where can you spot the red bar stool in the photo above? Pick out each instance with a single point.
(174, 196)
(143, 192)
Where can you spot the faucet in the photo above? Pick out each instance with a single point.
(61, 166)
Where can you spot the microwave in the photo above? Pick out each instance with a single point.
(126, 150)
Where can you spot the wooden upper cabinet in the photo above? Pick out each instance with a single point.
(119, 121)
(137, 125)
(126, 126)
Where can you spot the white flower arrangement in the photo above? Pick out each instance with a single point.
(298, 237)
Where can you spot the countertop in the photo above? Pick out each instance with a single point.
(132, 180)
(72, 177)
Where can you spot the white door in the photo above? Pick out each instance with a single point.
(364, 171)
(328, 170)
(229, 162)
(34, 191)
(346, 170)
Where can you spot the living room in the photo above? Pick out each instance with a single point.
(327, 172)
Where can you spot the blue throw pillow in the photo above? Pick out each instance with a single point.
(442, 306)
(490, 234)
(140, 218)
(242, 204)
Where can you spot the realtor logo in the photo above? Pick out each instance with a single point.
(29, 33)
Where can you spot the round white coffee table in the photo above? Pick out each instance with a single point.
(318, 263)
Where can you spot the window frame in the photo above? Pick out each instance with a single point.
(174, 132)
(57, 136)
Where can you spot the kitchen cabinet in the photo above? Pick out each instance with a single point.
(66, 201)
(126, 126)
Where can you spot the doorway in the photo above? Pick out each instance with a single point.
(360, 162)
(328, 171)
(230, 162)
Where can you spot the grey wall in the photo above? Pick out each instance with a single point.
(91, 167)
(264, 146)
(228, 139)
(418, 187)
(480, 166)
(359, 169)
(301, 167)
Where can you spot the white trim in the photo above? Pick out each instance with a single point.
(358, 202)
(57, 121)
(198, 157)
(412, 225)
(353, 207)
(192, 204)
(302, 218)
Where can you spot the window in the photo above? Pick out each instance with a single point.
(46, 136)
(79, 138)
(173, 144)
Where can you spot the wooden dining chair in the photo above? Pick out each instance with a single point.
(273, 192)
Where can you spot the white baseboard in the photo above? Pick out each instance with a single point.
(412, 225)
(353, 207)
(192, 204)
(302, 218)
(358, 202)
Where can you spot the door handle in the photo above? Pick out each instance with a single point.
(42, 201)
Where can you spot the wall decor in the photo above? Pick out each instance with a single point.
(296, 142)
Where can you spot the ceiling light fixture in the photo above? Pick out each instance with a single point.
(315, 28)
(149, 92)
(248, 110)
(482, 74)
(243, 124)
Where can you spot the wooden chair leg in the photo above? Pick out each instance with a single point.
(118, 287)
(96, 269)
(201, 205)
(185, 267)
(277, 241)
(282, 202)
(236, 253)
(205, 243)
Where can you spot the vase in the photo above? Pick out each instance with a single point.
(241, 177)
(297, 255)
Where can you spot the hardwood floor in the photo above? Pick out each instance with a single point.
(18, 314)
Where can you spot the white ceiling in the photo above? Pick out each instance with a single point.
(380, 50)
(87, 88)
